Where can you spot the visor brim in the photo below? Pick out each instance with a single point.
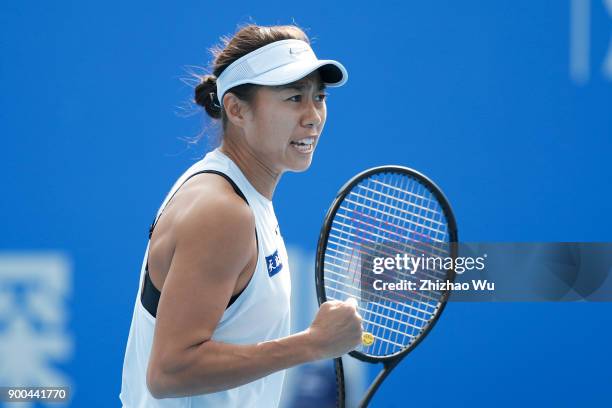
(332, 72)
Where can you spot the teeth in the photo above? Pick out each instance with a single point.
(303, 148)
(306, 141)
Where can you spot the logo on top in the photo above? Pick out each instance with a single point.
(297, 50)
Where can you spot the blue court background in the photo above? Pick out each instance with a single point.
(476, 94)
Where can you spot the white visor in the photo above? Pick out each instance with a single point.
(279, 63)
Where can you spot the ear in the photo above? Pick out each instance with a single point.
(236, 110)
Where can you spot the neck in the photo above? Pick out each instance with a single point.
(261, 176)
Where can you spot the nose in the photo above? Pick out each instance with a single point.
(312, 116)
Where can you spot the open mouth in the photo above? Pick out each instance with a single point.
(305, 145)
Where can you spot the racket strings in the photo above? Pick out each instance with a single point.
(385, 215)
(416, 224)
(392, 207)
(337, 266)
(388, 339)
(405, 207)
(388, 251)
(404, 297)
(406, 239)
(395, 230)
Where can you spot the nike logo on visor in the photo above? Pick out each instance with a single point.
(297, 50)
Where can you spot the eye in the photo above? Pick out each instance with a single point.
(296, 98)
(322, 97)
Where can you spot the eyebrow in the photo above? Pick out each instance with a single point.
(298, 86)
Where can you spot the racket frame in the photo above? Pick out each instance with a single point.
(389, 362)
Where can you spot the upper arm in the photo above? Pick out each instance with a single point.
(215, 239)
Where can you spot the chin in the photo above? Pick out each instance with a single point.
(301, 165)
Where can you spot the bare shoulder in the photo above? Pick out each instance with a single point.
(211, 208)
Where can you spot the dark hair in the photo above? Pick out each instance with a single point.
(247, 39)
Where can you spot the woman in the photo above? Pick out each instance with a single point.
(211, 322)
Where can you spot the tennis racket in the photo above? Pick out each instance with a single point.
(378, 214)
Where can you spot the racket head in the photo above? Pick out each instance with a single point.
(405, 190)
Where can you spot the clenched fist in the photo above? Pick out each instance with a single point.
(336, 329)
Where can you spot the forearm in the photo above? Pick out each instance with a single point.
(214, 366)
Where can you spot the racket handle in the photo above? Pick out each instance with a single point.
(340, 397)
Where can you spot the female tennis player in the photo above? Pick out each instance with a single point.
(210, 327)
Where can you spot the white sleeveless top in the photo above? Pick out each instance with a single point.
(260, 313)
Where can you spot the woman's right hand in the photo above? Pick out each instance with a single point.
(336, 329)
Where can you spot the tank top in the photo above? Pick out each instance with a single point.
(260, 313)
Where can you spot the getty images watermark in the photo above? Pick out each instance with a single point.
(524, 271)
(402, 264)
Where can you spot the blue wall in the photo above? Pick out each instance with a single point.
(479, 95)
